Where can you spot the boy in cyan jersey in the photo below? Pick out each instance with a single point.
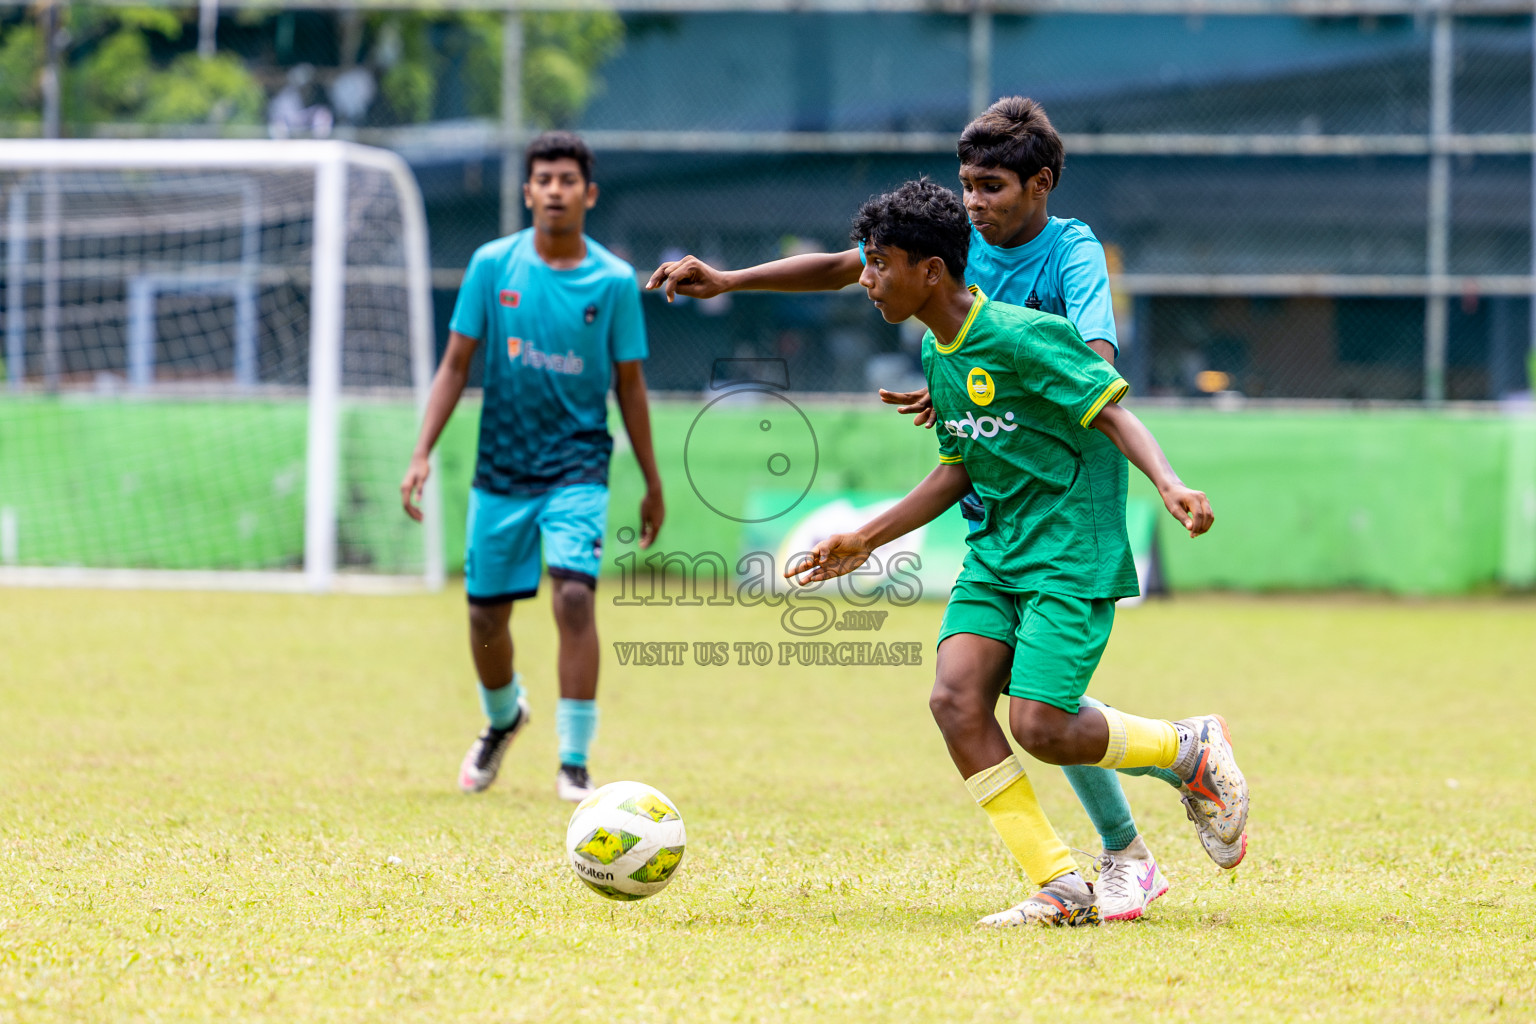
(1019, 396)
(561, 319)
(1010, 160)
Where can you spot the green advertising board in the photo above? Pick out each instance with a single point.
(1403, 501)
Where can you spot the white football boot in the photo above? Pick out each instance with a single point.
(1214, 787)
(1129, 880)
(483, 760)
(1066, 901)
(573, 783)
(1226, 855)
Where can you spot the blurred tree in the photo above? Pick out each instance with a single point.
(562, 52)
(198, 90)
(120, 66)
(133, 64)
(20, 63)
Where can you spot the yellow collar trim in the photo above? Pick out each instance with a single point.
(970, 318)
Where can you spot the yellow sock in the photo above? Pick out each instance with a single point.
(1138, 742)
(1004, 792)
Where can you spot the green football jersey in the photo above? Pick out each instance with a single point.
(1015, 393)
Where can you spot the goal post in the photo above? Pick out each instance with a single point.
(216, 355)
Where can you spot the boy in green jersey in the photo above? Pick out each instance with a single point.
(1016, 392)
(1011, 160)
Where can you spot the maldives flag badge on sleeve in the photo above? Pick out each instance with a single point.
(510, 298)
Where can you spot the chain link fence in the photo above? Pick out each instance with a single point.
(1265, 186)
(1295, 204)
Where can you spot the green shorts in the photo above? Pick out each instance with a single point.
(1057, 641)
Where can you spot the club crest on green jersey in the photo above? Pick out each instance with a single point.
(978, 384)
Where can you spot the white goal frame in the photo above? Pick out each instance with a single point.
(329, 160)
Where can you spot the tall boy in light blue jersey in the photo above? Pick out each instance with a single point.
(1010, 160)
(561, 319)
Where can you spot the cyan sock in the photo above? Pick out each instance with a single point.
(500, 704)
(1101, 796)
(575, 722)
(1104, 800)
(1156, 773)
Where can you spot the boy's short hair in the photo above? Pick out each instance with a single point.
(1014, 134)
(557, 146)
(921, 217)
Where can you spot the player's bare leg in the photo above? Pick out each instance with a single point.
(575, 608)
(1056, 737)
(575, 605)
(1129, 879)
(972, 673)
(1197, 750)
(490, 645)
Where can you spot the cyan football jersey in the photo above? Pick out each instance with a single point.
(1061, 270)
(551, 338)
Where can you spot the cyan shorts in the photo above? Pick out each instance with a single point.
(501, 559)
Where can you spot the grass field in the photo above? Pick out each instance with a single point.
(242, 807)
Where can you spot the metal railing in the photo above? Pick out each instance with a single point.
(1439, 144)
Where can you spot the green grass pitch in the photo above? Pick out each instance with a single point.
(240, 807)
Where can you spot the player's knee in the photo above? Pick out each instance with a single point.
(954, 709)
(1039, 737)
(1036, 741)
(486, 623)
(574, 601)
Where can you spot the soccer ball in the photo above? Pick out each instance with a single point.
(625, 840)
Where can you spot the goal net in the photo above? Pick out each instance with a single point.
(215, 354)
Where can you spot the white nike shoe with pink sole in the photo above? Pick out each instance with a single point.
(1129, 880)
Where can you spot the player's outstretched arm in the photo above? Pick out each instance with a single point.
(810, 272)
(629, 388)
(447, 387)
(1189, 506)
(842, 553)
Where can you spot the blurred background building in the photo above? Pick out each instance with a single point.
(1296, 205)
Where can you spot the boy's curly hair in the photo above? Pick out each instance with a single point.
(922, 218)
